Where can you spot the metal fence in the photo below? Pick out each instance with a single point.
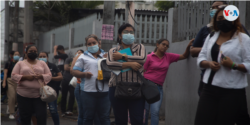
(148, 30)
(63, 35)
(192, 16)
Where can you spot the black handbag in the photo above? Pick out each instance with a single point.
(128, 90)
(106, 72)
(149, 90)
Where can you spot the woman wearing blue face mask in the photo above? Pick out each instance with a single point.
(11, 92)
(93, 103)
(121, 106)
(54, 83)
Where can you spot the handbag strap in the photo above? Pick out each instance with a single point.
(97, 88)
(140, 75)
(33, 72)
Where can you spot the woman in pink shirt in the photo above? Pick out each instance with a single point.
(28, 87)
(156, 68)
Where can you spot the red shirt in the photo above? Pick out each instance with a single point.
(156, 68)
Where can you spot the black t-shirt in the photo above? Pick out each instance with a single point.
(9, 65)
(54, 71)
(61, 59)
(201, 36)
(214, 53)
(66, 75)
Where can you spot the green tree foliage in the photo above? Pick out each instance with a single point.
(164, 5)
(56, 13)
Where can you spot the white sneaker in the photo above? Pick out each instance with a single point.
(11, 117)
(7, 111)
(69, 113)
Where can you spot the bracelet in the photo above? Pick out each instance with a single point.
(232, 65)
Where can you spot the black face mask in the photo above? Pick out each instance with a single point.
(225, 25)
(32, 56)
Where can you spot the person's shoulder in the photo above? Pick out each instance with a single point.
(20, 62)
(151, 54)
(41, 62)
(137, 45)
(244, 37)
(51, 64)
(205, 27)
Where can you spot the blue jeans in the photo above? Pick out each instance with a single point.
(53, 112)
(154, 109)
(80, 107)
(95, 104)
(3, 98)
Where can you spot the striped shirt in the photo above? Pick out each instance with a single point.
(139, 55)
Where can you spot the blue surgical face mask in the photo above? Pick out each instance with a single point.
(93, 49)
(212, 12)
(76, 55)
(16, 58)
(43, 59)
(128, 39)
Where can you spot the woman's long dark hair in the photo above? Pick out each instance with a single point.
(28, 47)
(159, 42)
(45, 53)
(121, 28)
(237, 25)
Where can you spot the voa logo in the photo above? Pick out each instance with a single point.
(231, 13)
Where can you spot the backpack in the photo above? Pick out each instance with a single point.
(104, 73)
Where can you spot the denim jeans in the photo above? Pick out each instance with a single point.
(122, 106)
(80, 107)
(154, 109)
(53, 112)
(3, 98)
(95, 104)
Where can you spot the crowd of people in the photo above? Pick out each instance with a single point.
(222, 51)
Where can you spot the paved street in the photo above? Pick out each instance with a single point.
(63, 120)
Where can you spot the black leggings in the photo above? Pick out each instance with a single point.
(65, 89)
(219, 106)
(28, 107)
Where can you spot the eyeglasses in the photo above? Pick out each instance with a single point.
(126, 32)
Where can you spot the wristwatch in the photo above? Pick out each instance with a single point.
(235, 67)
(123, 56)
